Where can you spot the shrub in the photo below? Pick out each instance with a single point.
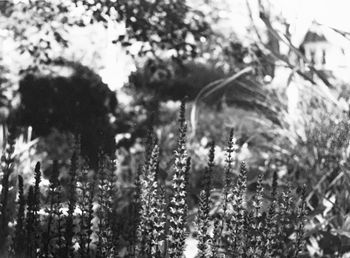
(79, 104)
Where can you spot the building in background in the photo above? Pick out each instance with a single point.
(327, 50)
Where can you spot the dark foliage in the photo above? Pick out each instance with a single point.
(169, 81)
(81, 104)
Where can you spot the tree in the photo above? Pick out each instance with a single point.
(38, 26)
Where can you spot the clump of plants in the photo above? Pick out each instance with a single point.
(76, 216)
(243, 224)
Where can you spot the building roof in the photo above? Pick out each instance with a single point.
(314, 36)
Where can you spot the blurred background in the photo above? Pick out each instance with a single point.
(108, 70)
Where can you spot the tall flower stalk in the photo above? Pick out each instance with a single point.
(256, 243)
(55, 230)
(33, 233)
(19, 237)
(270, 225)
(86, 194)
(178, 201)
(148, 197)
(69, 223)
(225, 213)
(203, 223)
(107, 242)
(238, 203)
(7, 166)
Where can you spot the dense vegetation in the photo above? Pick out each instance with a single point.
(76, 216)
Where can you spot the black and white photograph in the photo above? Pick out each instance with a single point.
(175, 128)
